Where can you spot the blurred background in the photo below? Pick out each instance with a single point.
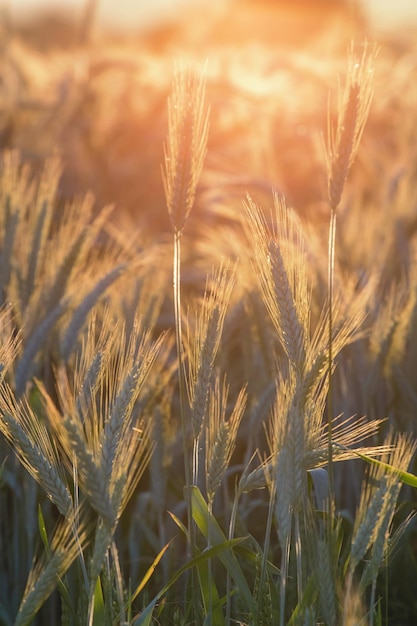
(89, 79)
(383, 14)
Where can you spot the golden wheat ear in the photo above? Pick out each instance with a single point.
(221, 434)
(186, 146)
(353, 109)
(280, 262)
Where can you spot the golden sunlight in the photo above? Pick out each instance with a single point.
(206, 388)
(97, 94)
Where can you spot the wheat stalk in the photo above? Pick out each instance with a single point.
(341, 151)
(184, 155)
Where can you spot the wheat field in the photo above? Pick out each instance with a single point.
(208, 321)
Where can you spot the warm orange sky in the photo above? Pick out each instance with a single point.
(132, 13)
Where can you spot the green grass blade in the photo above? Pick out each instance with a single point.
(150, 571)
(405, 477)
(209, 527)
(144, 618)
(212, 604)
(99, 610)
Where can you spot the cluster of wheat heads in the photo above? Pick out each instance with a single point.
(75, 360)
(113, 423)
(312, 574)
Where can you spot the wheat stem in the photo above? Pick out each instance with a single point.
(332, 237)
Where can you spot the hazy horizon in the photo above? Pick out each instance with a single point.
(134, 13)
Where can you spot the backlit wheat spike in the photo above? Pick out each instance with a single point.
(398, 350)
(296, 441)
(119, 426)
(347, 433)
(203, 346)
(378, 504)
(349, 313)
(24, 368)
(37, 250)
(69, 340)
(39, 222)
(90, 385)
(49, 568)
(281, 266)
(70, 246)
(133, 457)
(326, 578)
(285, 495)
(87, 420)
(64, 271)
(7, 246)
(353, 111)
(221, 435)
(400, 458)
(277, 426)
(91, 479)
(118, 419)
(10, 340)
(287, 433)
(292, 333)
(29, 438)
(186, 145)
(256, 479)
(314, 374)
(200, 390)
(366, 521)
(102, 540)
(42, 469)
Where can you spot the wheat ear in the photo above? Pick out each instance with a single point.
(353, 109)
(221, 435)
(187, 144)
(204, 341)
(45, 574)
(24, 368)
(79, 316)
(29, 438)
(281, 266)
